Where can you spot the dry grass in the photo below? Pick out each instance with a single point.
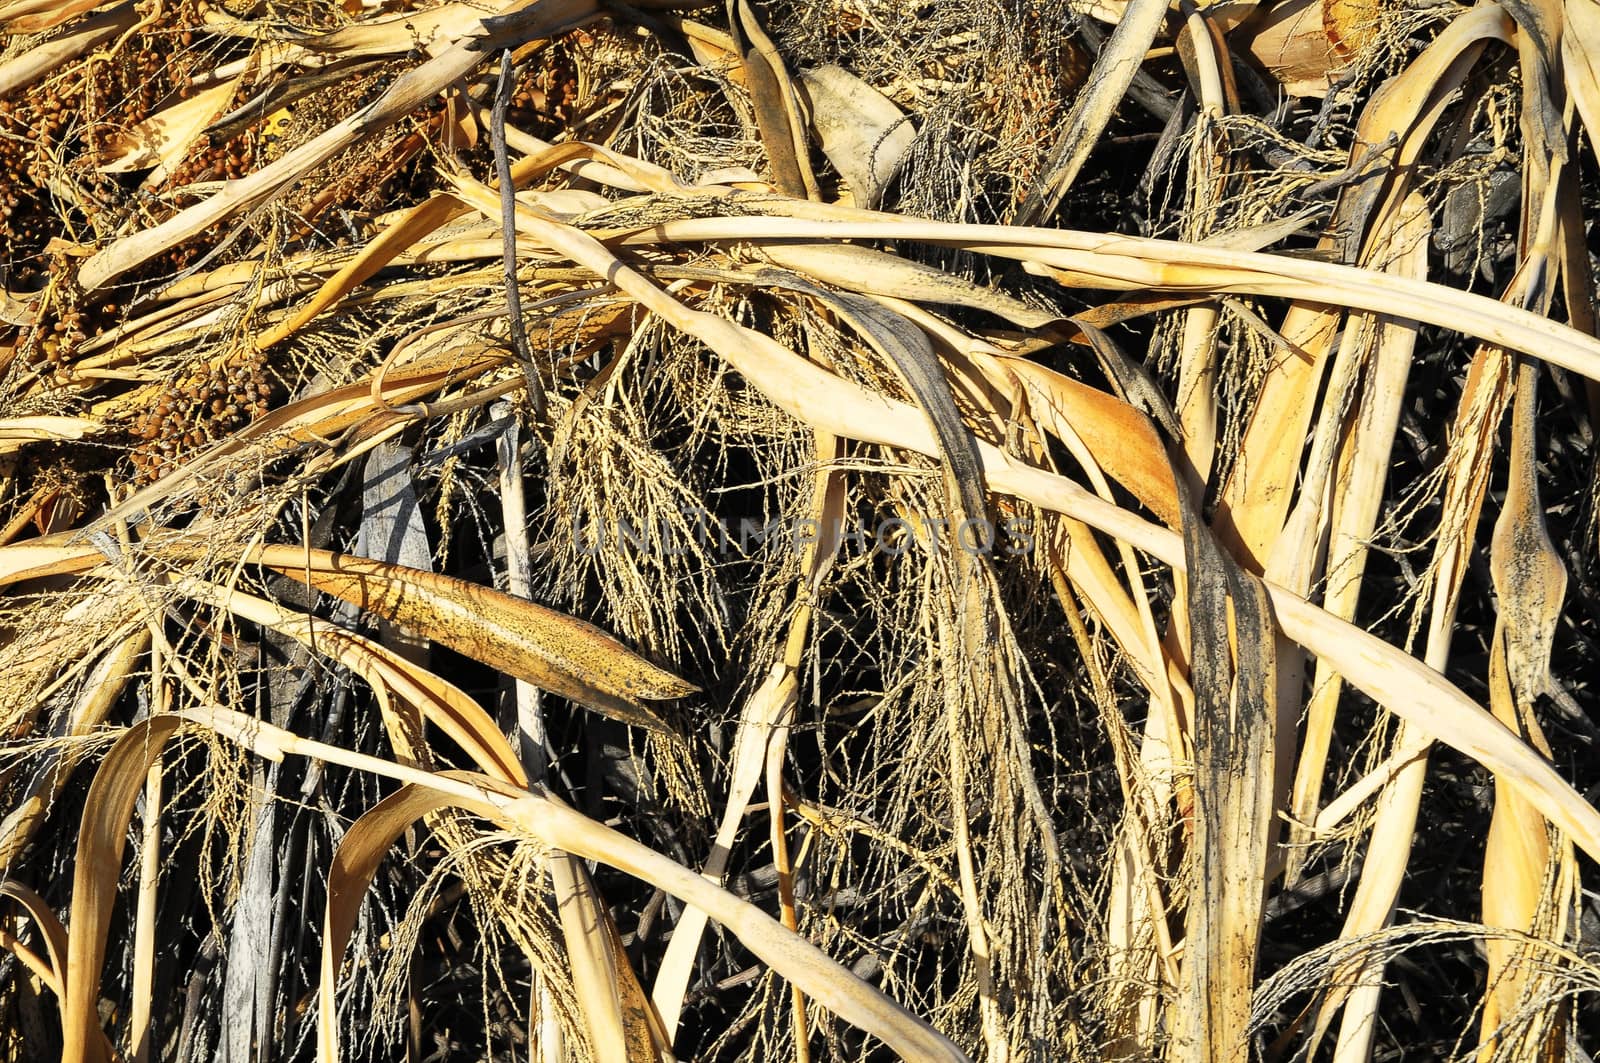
(539, 530)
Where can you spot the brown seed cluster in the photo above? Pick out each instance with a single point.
(30, 126)
(546, 96)
(210, 403)
(56, 342)
(227, 161)
(65, 322)
(121, 92)
(376, 176)
(58, 132)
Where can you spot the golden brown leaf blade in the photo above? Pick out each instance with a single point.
(551, 650)
(96, 869)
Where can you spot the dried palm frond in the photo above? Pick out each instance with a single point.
(1004, 529)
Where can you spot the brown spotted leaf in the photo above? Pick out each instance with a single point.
(551, 650)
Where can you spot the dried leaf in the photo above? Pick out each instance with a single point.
(557, 653)
(18, 432)
(96, 870)
(770, 707)
(167, 136)
(36, 16)
(863, 133)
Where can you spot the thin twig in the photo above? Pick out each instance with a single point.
(508, 219)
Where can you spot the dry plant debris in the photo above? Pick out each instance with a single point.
(566, 530)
